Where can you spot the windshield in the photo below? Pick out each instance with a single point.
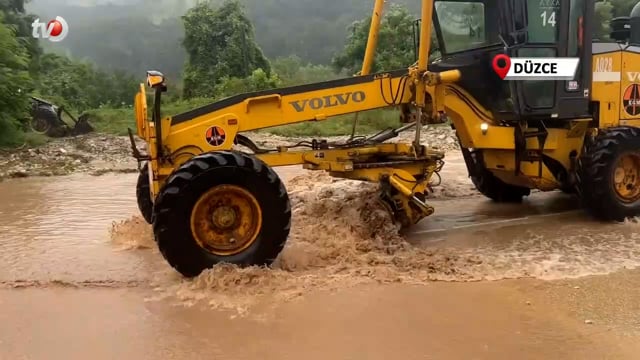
(466, 25)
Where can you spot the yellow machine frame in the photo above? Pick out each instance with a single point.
(196, 228)
(181, 140)
(431, 95)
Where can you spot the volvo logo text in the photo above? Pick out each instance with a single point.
(329, 101)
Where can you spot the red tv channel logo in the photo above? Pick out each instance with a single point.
(55, 30)
(509, 68)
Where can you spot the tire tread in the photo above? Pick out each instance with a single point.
(178, 249)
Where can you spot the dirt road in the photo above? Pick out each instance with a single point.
(474, 281)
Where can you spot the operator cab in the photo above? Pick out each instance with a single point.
(469, 34)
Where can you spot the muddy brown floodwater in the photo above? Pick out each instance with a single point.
(80, 278)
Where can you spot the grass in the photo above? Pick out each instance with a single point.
(116, 121)
(112, 121)
(180, 106)
(13, 139)
(368, 122)
(34, 139)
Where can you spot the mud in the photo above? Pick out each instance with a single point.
(475, 280)
(439, 137)
(99, 154)
(341, 237)
(489, 321)
(93, 153)
(132, 234)
(76, 267)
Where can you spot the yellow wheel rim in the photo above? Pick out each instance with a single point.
(626, 177)
(226, 220)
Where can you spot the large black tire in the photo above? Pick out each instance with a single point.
(207, 172)
(143, 194)
(492, 187)
(596, 171)
(43, 120)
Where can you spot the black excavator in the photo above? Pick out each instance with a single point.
(47, 119)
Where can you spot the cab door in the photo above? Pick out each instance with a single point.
(554, 28)
(575, 96)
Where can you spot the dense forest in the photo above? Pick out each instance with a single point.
(140, 34)
(207, 49)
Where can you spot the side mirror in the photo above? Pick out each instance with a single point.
(155, 79)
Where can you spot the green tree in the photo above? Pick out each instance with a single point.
(605, 11)
(395, 48)
(133, 44)
(258, 81)
(603, 16)
(16, 16)
(621, 7)
(293, 71)
(219, 43)
(15, 83)
(80, 86)
(145, 34)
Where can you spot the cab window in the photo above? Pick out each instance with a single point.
(542, 21)
(576, 40)
(539, 94)
(462, 25)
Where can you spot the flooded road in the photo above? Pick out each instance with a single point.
(56, 229)
(564, 285)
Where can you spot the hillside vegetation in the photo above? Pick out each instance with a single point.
(207, 49)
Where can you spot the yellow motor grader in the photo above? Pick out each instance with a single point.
(209, 203)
